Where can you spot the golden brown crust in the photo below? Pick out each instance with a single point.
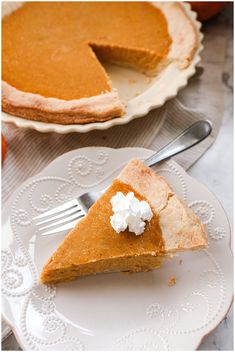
(185, 39)
(61, 118)
(35, 107)
(181, 229)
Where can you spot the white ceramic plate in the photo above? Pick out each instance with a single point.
(139, 92)
(111, 311)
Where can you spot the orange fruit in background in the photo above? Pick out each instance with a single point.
(207, 9)
(4, 148)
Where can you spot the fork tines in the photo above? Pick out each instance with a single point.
(65, 215)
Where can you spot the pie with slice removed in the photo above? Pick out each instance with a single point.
(51, 54)
(94, 247)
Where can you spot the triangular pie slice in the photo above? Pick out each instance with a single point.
(51, 50)
(94, 247)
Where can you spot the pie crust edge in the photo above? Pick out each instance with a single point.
(186, 231)
(31, 106)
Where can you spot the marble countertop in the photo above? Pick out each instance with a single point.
(215, 169)
(206, 170)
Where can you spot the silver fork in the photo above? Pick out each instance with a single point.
(65, 216)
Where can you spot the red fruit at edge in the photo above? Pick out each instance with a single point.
(207, 9)
(4, 148)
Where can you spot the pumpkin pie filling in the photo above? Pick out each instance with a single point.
(52, 50)
(94, 246)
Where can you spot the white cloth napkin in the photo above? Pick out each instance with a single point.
(29, 151)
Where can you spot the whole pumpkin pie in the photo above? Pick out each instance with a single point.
(51, 54)
(93, 246)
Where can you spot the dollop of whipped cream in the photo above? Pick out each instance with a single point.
(129, 212)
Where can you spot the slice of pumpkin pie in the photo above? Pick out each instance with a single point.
(137, 222)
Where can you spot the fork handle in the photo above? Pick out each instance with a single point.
(185, 140)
